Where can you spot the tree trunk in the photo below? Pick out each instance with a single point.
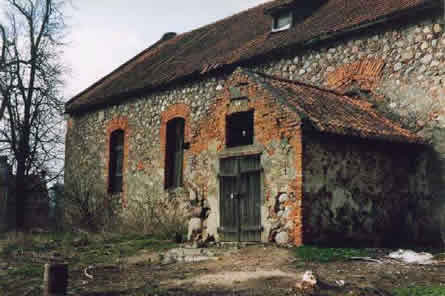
(20, 194)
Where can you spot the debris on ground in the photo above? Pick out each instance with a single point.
(409, 256)
(308, 282)
(187, 255)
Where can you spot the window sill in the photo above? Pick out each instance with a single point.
(241, 151)
(275, 30)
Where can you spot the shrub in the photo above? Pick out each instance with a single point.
(88, 207)
(156, 214)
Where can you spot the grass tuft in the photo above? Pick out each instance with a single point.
(420, 291)
(324, 255)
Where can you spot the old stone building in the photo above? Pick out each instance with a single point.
(293, 121)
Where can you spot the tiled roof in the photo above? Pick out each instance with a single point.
(231, 41)
(331, 112)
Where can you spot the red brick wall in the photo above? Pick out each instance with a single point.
(272, 122)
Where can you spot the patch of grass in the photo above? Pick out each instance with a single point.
(420, 291)
(111, 249)
(27, 271)
(322, 255)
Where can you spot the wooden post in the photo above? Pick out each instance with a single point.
(55, 279)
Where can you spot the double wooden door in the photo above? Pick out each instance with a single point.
(240, 198)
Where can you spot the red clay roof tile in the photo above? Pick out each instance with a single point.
(332, 112)
(231, 41)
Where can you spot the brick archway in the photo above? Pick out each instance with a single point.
(119, 123)
(174, 111)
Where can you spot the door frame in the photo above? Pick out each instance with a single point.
(239, 155)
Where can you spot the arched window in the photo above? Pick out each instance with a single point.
(174, 153)
(116, 161)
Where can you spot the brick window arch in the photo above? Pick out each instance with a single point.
(174, 150)
(116, 161)
(117, 130)
(174, 121)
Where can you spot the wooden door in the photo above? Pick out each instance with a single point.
(240, 198)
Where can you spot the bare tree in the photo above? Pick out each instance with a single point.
(31, 105)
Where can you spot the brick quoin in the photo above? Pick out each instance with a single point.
(119, 123)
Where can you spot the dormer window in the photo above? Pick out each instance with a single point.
(291, 12)
(282, 21)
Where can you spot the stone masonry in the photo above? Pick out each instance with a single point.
(399, 63)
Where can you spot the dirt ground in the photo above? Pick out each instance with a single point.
(253, 270)
(250, 270)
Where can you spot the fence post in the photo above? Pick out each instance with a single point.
(55, 279)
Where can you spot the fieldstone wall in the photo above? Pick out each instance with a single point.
(365, 192)
(204, 106)
(398, 67)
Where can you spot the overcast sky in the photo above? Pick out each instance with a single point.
(106, 33)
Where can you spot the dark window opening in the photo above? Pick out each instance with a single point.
(282, 21)
(239, 129)
(174, 153)
(116, 161)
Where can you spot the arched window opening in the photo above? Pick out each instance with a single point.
(174, 153)
(116, 161)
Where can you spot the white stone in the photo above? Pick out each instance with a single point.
(407, 55)
(219, 87)
(308, 282)
(419, 38)
(100, 116)
(283, 198)
(434, 43)
(282, 238)
(409, 256)
(194, 226)
(427, 59)
(437, 28)
(289, 225)
(424, 45)
(398, 67)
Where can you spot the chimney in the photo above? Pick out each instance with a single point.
(170, 35)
